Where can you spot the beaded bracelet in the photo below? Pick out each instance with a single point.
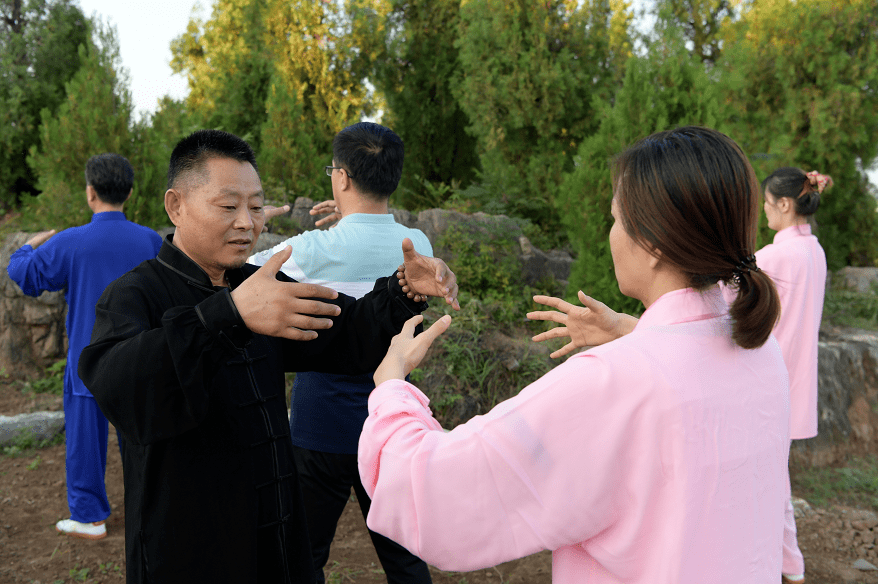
(400, 274)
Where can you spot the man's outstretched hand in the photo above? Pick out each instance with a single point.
(425, 276)
(326, 207)
(271, 212)
(40, 238)
(283, 309)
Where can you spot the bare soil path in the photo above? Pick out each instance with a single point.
(33, 498)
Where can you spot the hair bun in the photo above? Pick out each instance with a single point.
(819, 181)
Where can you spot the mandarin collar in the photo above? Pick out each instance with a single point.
(684, 305)
(108, 216)
(174, 259)
(791, 232)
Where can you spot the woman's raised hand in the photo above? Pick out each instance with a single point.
(592, 324)
(406, 350)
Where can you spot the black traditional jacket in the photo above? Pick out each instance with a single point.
(210, 485)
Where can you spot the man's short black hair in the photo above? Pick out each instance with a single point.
(194, 150)
(373, 155)
(111, 176)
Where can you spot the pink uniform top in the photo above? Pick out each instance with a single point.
(797, 264)
(658, 458)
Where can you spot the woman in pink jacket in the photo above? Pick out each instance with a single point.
(797, 264)
(655, 458)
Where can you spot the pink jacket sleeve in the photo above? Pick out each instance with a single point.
(540, 471)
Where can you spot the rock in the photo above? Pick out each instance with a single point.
(847, 377)
(868, 520)
(41, 425)
(801, 508)
(858, 279)
(864, 566)
(32, 333)
(268, 241)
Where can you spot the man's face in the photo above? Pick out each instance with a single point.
(219, 220)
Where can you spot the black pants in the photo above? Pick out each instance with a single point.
(326, 480)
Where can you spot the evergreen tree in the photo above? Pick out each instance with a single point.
(93, 118)
(228, 63)
(802, 83)
(152, 140)
(665, 89)
(416, 78)
(38, 55)
(291, 158)
(528, 76)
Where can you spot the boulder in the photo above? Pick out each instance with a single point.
(861, 280)
(32, 333)
(39, 426)
(847, 377)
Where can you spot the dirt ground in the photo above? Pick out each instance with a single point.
(33, 498)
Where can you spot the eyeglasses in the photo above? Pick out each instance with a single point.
(329, 170)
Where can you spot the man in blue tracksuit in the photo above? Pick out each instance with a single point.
(328, 411)
(82, 261)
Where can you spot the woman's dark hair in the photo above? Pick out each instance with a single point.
(691, 194)
(793, 183)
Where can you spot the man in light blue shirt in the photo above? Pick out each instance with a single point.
(328, 411)
(83, 261)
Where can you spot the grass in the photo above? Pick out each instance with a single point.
(843, 307)
(854, 484)
(26, 443)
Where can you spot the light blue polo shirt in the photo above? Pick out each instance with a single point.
(328, 411)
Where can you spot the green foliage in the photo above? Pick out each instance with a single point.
(843, 307)
(38, 56)
(26, 442)
(666, 89)
(528, 74)
(292, 153)
(52, 382)
(811, 100)
(93, 118)
(416, 77)
(152, 140)
(483, 262)
(854, 484)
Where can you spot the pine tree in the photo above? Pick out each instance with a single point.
(93, 118)
(802, 90)
(666, 89)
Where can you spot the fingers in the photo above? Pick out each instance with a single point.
(271, 212)
(555, 333)
(297, 335)
(324, 207)
(408, 250)
(275, 262)
(563, 350)
(312, 291)
(438, 327)
(553, 302)
(552, 315)
(324, 221)
(590, 302)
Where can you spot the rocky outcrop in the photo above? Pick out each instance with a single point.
(31, 329)
(847, 399)
(862, 280)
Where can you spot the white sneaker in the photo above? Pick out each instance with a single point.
(96, 530)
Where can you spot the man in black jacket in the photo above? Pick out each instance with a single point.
(187, 360)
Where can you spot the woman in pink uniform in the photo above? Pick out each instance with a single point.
(797, 264)
(655, 458)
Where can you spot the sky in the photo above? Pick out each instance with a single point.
(146, 28)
